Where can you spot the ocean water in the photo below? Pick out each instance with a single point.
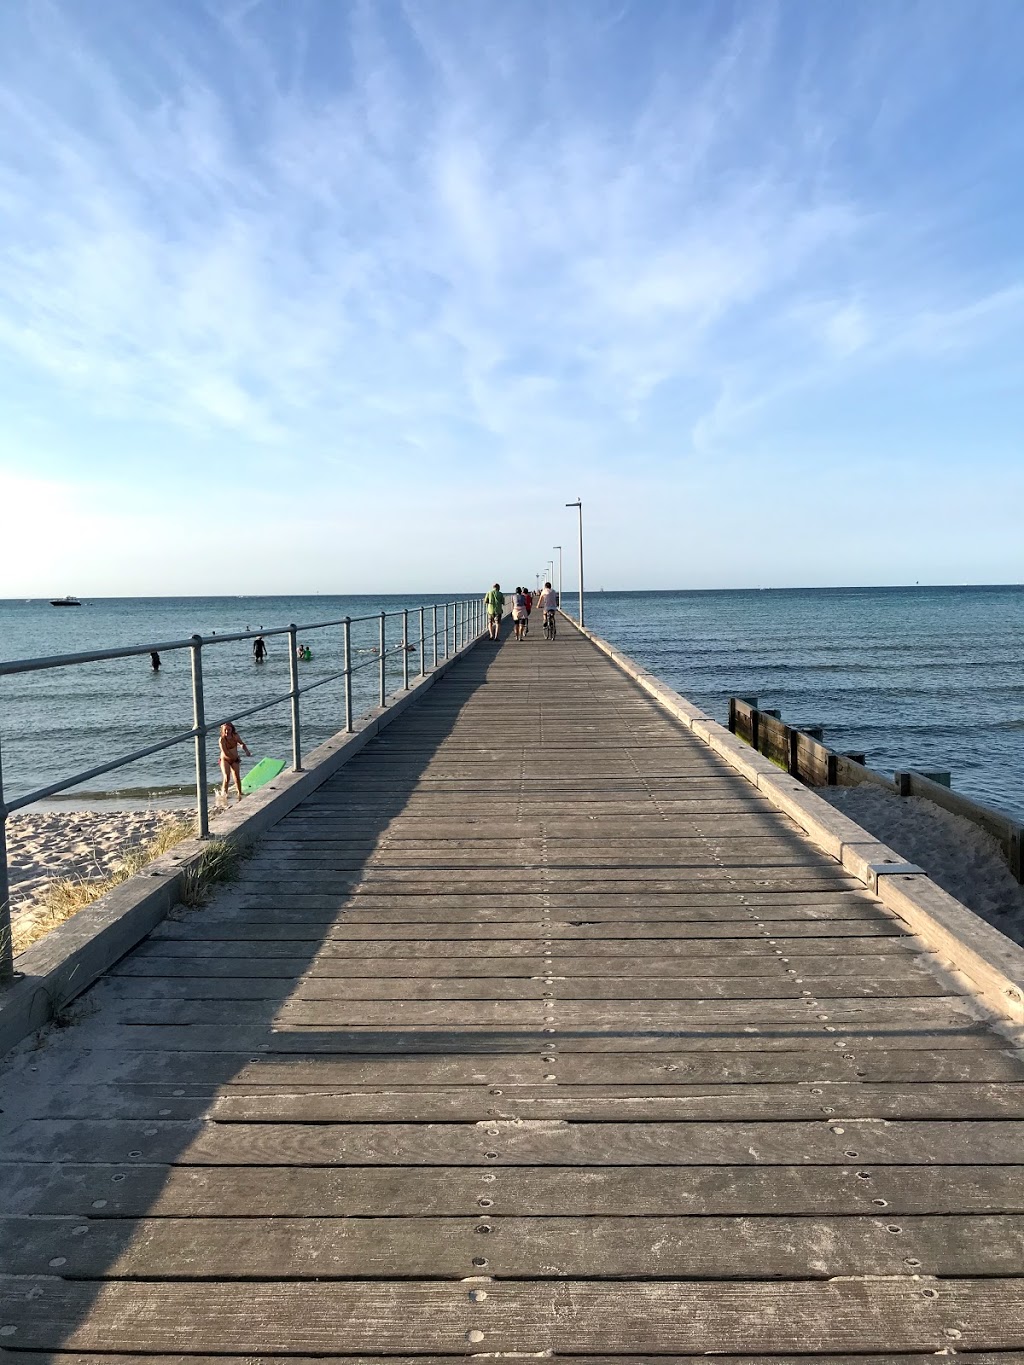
(928, 678)
(923, 678)
(65, 720)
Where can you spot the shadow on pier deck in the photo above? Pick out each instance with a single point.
(535, 1030)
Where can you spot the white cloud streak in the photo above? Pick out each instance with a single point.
(381, 228)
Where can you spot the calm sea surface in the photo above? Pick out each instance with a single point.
(927, 678)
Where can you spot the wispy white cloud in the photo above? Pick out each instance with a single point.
(376, 227)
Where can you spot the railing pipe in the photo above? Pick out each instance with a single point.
(293, 675)
(41, 793)
(348, 675)
(446, 630)
(405, 648)
(6, 935)
(383, 664)
(199, 725)
(423, 656)
(433, 632)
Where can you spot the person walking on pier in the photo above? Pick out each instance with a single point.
(519, 613)
(494, 601)
(529, 607)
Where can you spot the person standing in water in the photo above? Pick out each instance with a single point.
(494, 601)
(154, 661)
(259, 649)
(230, 762)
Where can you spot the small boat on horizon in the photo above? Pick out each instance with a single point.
(64, 602)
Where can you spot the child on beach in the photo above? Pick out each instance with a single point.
(230, 762)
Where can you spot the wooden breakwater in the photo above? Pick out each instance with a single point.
(804, 755)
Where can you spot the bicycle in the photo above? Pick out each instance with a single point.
(549, 625)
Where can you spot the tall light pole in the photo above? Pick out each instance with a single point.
(559, 549)
(578, 504)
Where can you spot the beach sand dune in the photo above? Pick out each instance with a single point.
(958, 856)
(43, 846)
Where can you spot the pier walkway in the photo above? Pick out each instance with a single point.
(535, 1030)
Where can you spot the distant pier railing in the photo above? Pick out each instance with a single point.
(804, 756)
(440, 630)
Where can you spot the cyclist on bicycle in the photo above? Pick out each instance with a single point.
(548, 604)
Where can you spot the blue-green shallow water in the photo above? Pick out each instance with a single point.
(916, 677)
(927, 678)
(62, 721)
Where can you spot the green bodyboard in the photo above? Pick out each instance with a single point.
(265, 771)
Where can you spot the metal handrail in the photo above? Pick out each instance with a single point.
(463, 621)
(11, 666)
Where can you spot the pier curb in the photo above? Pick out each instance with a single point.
(70, 958)
(990, 965)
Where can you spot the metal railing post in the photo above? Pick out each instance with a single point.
(293, 674)
(348, 674)
(433, 634)
(6, 935)
(199, 725)
(455, 627)
(446, 630)
(405, 648)
(382, 662)
(423, 658)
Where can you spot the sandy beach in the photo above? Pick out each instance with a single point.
(960, 857)
(45, 845)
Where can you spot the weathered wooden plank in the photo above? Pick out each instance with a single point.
(102, 1191)
(446, 912)
(929, 1013)
(779, 947)
(523, 1142)
(151, 961)
(342, 931)
(741, 1103)
(170, 1071)
(85, 1358)
(318, 985)
(846, 1314)
(312, 1247)
(481, 1039)
(286, 1102)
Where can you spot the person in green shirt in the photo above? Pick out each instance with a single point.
(494, 601)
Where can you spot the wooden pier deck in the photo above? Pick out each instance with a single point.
(536, 1030)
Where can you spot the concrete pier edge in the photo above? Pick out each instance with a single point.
(68, 960)
(990, 964)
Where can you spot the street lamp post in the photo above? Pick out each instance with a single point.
(578, 504)
(559, 549)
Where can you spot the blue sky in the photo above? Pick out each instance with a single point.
(302, 295)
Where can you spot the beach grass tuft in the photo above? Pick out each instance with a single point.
(65, 896)
(218, 863)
